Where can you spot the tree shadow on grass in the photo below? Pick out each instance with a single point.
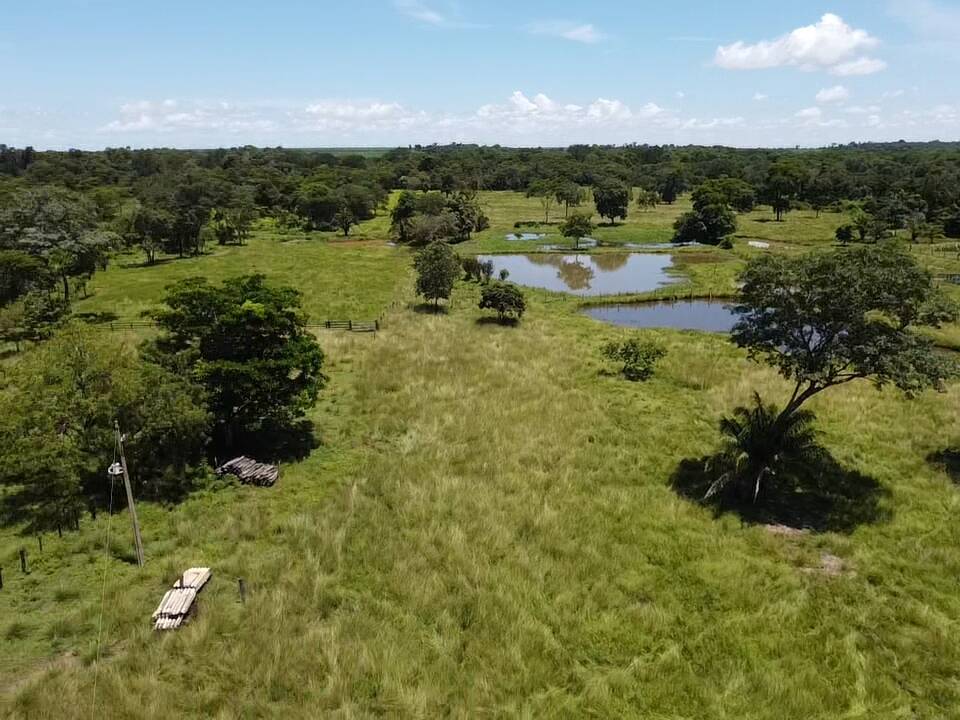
(97, 318)
(830, 498)
(505, 322)
(275, 443)
(428, 308)
(139, 264)
(948, 461)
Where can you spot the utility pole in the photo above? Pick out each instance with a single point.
(126, 482)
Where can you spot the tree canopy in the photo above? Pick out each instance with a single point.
(825, 319)
(246, 343)
(438, 267)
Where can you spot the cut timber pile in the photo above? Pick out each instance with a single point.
(178, 603)
(250, 471)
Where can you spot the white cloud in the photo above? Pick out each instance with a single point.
(760, 97)
(170, 116)
(419, 11)
(829, 44)
(837, 93)
(583, 33)
(892, 94)
(519, 119)
(810, 113)
(860, 66)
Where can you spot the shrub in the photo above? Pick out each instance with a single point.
(505, 298)
(638, 357)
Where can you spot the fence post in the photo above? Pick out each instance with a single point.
(1, 578)
(242, 585)
(350, 325)
(23, 561)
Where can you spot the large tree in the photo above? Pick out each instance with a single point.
(826, 319)
(437, 267)
(612, 199)
(246, 343)
(58, 227)
(576, 226)
(57, 413)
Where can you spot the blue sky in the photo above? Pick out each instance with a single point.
(97, 73)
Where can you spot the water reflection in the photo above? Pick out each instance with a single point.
(601, 274)
(705, 315)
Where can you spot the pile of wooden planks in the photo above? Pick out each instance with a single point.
(178, 603)
(250, 471)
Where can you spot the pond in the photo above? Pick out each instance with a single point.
(525, 236)
(602, 274)
(705, 315)
(662, 245)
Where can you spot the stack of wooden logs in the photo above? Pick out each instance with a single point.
(250, 471)
(178, 603)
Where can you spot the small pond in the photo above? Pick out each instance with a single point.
(602, 274)
(525, 236)
(705, 315)
(661, 245)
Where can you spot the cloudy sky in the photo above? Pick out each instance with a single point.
(97, 73)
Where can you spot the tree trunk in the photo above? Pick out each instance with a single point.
(66, 288)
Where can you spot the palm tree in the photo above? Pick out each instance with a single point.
(761, 446)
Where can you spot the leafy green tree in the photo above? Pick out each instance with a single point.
(43, 313)
(506, 298)
(152, 229)
(317, 204)
(479, 270)
(827, 319)
(783, 184)
(59, 228)
(734, 193)
(402, 215)
(438, 267)
(639, 358)
(468, 216)
(671, 184)
(647, 199)
(246, 343)
(576, 226)
(569, 194)
(546, 192)
(710, 224)
(57, 428)
(19, 272)
(344, 218)
(612, 200)
(425, 229)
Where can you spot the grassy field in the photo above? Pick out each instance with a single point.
(488, 529)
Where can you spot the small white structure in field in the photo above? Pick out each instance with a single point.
(178, 604)
(759, 245)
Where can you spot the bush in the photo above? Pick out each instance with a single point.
(478, 270)
(505, 298)
(638, 357)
